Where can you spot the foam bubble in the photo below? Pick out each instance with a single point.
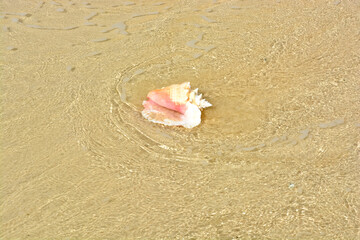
(129, 3)
(35, 26)
(17, 14)
(41, 4)
(197, 55)
(90, 24)
(107, 30)
(24, 14)
(91, 16)
(70, 68)
(122, 27)
(332, 124)
(208, 19)
(70, 28)
(144, 14)
(11, 48)
(248, 149)
(304, 134)
(60, 10)
(253, 148)
(209, 48)
(93, 54)
(126, 79)
(16, 20)
(139, 71)
(123, 94)
(192, 43)
(55, 3)
(100, 40)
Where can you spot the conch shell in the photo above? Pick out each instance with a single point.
(175, 105)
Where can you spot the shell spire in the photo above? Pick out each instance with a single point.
(175, 105)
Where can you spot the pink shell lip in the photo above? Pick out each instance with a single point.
(174, 105)
(165, 101)
(173, 97)
(160, 113)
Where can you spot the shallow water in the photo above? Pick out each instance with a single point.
(276, 157)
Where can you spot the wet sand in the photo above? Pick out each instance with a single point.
(276, 157)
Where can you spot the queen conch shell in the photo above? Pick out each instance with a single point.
(175, 105)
